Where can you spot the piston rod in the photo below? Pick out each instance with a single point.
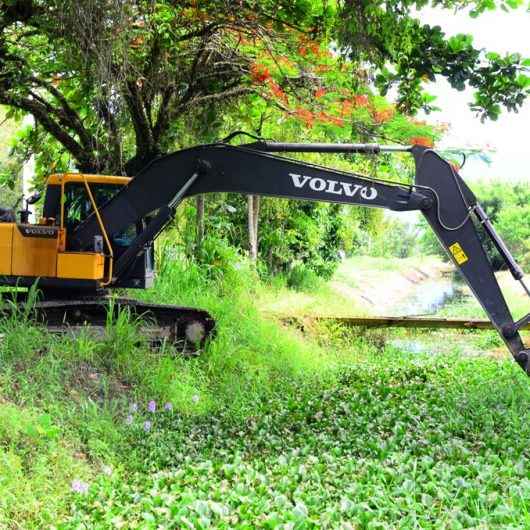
(281, 147)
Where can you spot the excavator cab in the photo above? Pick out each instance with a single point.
(42, 250)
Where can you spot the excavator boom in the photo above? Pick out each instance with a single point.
(147, 203)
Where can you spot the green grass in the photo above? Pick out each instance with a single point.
(271, 427)
(395, 442)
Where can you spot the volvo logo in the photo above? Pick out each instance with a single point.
(38, 231)
(334, 187)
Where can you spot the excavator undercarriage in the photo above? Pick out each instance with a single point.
(97, 232)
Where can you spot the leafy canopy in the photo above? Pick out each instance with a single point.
(113, 84)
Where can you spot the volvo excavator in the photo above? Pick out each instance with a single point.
(97, 232)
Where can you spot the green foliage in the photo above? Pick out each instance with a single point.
(267, 427)
(408, 53)
(300, 277)
(10, 166)
(393, 238)
(36, 467)
(285, 84)
(513, 220)
(113, 85)
(508, 206)
(304, 458)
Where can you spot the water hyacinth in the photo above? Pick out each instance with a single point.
(168, 406)
(195, 398)
(147, 426)
(133, 407)
(78, 486)
(151, 406)
(129, 419)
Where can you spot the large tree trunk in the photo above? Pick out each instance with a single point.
(200, 220)
(253, 205)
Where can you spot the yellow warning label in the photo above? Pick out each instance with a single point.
(458, 252)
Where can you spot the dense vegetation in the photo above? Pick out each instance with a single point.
(268, 427)
(112, 85)
(272, 426)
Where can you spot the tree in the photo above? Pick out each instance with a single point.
(403, 52)
(112, 83)
(91, 72)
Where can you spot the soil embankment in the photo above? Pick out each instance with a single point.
(366, 286)
(394, 287)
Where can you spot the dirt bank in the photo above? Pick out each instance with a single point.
(384, 286)
(361, 286)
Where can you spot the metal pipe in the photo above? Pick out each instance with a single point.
(103, 231)
(281, 147)
(525, 287)
(179, 196)
(514, 267)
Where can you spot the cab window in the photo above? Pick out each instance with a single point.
(77, 204)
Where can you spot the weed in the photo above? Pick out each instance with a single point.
(270, 427)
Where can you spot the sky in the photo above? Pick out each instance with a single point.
(510, 134)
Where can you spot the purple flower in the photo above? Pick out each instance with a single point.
(147, 426)
(168, 406)
(79, 486)
(151, 406)
(129, 419)
(133, 407)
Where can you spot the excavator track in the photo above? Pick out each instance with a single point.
(187, 329)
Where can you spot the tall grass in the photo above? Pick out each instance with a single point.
(250, 354)
(269, 424)
(70, 396)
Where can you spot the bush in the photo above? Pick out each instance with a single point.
(394, 239)
(302, 278)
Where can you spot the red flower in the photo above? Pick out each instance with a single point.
(421, 140)
(346, 107)
(324, 117)
(259, 72)
(315, 48)
(361, 100)
(381, 116)
(276, 89)
(305, 115)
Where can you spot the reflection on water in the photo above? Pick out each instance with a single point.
(427, 297)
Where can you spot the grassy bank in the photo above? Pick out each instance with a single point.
(359, 286)
(269, 428)
(65, 403)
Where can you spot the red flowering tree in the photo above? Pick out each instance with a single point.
(112, 84)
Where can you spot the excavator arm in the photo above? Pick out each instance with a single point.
(438, 192)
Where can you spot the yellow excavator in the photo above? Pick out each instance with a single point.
(97, 232)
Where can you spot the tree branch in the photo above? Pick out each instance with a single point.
(72, 117)
(142, 129)
(85, 161)
(162, 118)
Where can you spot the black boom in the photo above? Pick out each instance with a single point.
(438, 191)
